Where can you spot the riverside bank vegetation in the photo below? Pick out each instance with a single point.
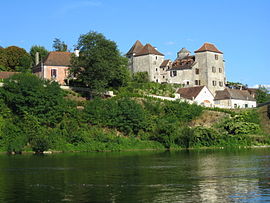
(37, 115)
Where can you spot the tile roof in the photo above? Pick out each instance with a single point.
(5, 74)
(234, 94)
(148, 49)
(165, 63)
(190, 92)
(208, 47)
(58, 58)
(137, 46)
(186, 63)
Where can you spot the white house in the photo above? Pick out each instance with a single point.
(200, 95)
(234, 98)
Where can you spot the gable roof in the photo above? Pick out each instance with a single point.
(58, 58)
(6, 74)
(165, 63)
(148, 49)
(137, 46)
(208, 47)
(190, 92)
(234, 94)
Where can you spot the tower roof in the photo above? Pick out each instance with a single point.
(208, 47)
(137, 46)
(184, 50)
(148, 49)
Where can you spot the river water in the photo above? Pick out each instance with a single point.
(183, 176)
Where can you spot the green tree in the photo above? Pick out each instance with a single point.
(28, 94)
(59, 45)
(262, 95)
(99, 65)
(15, 59)
(42, 53)
(141, 77)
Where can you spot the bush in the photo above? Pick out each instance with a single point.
(268, 111)
(141, 77)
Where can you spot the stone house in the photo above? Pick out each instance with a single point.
(234, 98)
(204, 68)
(55, 67)
(200, 95)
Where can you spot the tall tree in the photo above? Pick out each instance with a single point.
(262, 95)
(42, 53)
(99, 64)
(15, 59)
(59, 45)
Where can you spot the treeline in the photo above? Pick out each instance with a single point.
(35, 115)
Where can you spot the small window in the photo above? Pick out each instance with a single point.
(187, 82)
(221, 84)
(156, 80)
(235, 106)
(156, 57)
(216, 56)
(214, 83)
(220, 70)
(246, 105)
(156, 69)
(162, 68)
(163, 76)
(174, 73)
(197, 82)
(213, 69)
(53, 73)
(197, 71)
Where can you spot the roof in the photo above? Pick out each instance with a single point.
(137, 46)
(234, 94)
(186, 63)
(5, 74)
(58, 58)
(190, 92)
(148, 49)
(184, 50)
(208, 47)
(165, 63)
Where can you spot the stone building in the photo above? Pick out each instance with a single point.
(204, 68)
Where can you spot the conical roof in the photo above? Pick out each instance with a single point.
(137, 46)
(148, 49)
(208, 47)
(184, 50)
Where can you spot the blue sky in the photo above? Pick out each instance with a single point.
(240, 29)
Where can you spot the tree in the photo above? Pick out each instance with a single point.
(236, 85)
(15, 59)
(42, 53)
(27, 94)
(99, 65)
(59, 45)
(262, 95)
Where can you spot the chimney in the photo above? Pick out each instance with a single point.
(77, 53)
(37, 58)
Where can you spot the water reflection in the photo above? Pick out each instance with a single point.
(194, 176)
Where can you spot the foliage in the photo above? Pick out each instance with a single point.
(262, 95)
(15, 59)
(42, 53)
(26, 93)
(268, 111)
(123, 114)
(99, 65)
(235, 85)
(140, 77)
(59, 45)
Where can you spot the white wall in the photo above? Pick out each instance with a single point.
(204, 96)
(235, 103)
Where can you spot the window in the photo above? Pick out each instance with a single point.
(156, 69)
(53, 73)
(156, 57)
(197, 71)
(213, 69)
(197, 82)
(216, 56)
(162, 68)
(187, 82)
(174, 73)
(220, 84)
(235, 106)
(214, 83)
(156, 80)
(246, 105)
(220, 70)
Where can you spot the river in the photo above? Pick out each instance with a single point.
(182, 176)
